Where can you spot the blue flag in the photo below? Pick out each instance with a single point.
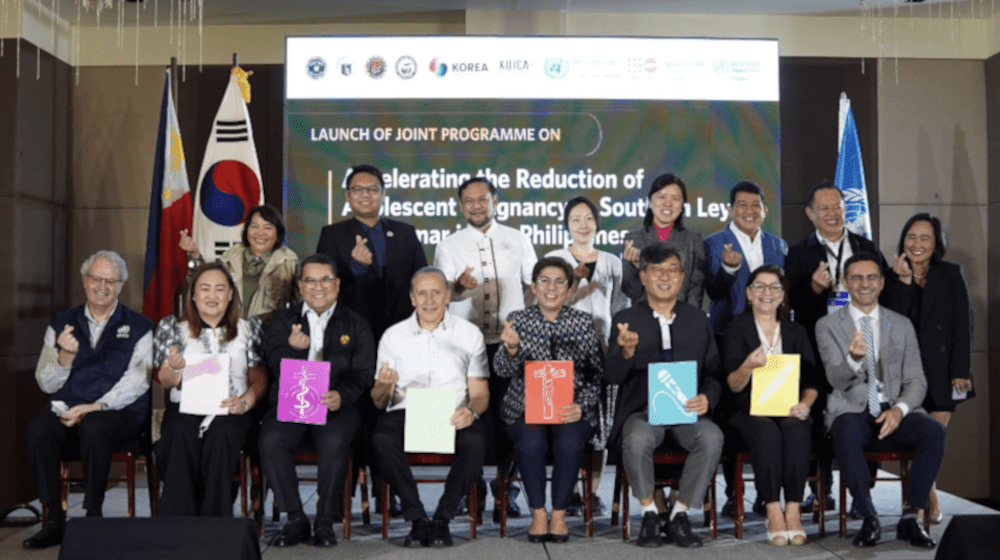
(850, 176)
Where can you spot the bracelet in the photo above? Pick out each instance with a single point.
(511, 346)
(473, 411)
(246, 406)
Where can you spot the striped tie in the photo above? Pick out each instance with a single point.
(874, 404)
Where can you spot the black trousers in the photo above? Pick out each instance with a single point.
(780, 448)
(470, 448)
(853, 431)
(198, 472)
(280, 440)
(96, 436)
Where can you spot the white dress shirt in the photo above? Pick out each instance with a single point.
(501, 259)
(317, 327)
(753, 249)
(440, 359)
(857, 316)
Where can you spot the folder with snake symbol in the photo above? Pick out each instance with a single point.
(300, 391)
(774, 388)
(671, 384)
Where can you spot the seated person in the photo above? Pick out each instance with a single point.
(662, 329)
(198, 455)
(872, 361)
(545, 332)
(431, 349)
(94, 366)
(780, 445)
(317, 329)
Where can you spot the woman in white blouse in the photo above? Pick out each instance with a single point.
(599, 293)
(197, 454)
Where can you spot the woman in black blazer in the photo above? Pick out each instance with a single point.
(933, 293)
(780, 445)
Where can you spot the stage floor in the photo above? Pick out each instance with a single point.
(366, 541)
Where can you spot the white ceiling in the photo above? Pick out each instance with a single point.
(231, 12)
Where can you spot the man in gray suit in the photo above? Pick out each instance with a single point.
(873, 363)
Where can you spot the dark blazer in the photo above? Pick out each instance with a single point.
(382, 301)
(943, 319)
(727, 291)
(800, 264)
(742, 339)
(692, 340)
(347, 344)
(688, 244)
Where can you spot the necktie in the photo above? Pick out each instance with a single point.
(874, 404)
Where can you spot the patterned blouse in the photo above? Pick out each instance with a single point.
(244, 350)
(571, 337)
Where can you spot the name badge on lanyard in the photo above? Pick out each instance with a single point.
(838, 300)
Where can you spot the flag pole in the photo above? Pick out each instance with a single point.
(236, 59)
(173, 82)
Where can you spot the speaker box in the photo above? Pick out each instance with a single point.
(970, 537)
(160, 538)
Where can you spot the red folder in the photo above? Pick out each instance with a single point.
(548, 386)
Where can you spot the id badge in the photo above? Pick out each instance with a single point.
(840, 299)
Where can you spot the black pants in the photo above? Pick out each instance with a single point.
(96, 436)
(280, 440)
(470, 448)
(853, 431)
(198, 472)
(780, 448)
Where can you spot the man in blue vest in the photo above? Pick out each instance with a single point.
(94, 366)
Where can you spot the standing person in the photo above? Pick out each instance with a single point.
(933, 293)
(94, 366)
(431, 349)
(871, 358)
(597, 292)
(318, 329)
(780, 445)
(489, 266)
(549, 331)
(664, 223)
(375, 258)
(197, 455)
(815, 272)
(663, 329)
(262, 267)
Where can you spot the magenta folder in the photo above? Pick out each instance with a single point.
(300, 390)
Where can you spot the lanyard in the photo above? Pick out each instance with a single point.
(838, 255)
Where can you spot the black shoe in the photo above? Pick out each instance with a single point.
(831, 502)
(440, 534)
(296, 530)
(598, 507)
(807, 504)
(419, 533)
(758, 506)
(909, 529)
(538, 538)
(553, 538)
(665, 528)
(649, 533)
(870, 533)
(50, 535)
(575, 507)
(729, 509)
(681, 533)
(323, 534)
(395, 508)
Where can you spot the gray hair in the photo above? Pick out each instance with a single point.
(114, 258)
(430, 270)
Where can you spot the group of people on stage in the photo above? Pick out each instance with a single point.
(884, 350)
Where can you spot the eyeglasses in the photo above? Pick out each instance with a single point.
(483, 201)
(546, 281)
(371, 191)
(663, 272)
(773, 288)
(98, 281)
(325, 281)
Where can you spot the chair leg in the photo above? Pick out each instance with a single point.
(365, 504)
(347, 499)
(473, 510)
(501, 503)
(130, 482)
(904, 481)
(843, 506)
(588, 496)
(243, 483)
(625, 500)
(615, 503)
(64, 486)
(713, 511)
(385, 510)
(153, 479)
(738, 497)
(821, 500)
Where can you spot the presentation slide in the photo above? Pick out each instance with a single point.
(545, 119)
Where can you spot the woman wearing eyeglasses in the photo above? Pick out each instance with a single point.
(550, 331)
(780, 445)
(197, 455)
(262, 267)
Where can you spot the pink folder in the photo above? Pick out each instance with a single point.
(300, 391)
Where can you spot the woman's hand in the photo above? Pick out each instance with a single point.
(176, 360)
(511, 340)
(800, 411)
(756, 359)
(571, 413)
(902, 269)
(238, 405)
(962, 385)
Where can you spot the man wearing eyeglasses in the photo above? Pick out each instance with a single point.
(318, 329)
(872, 360)
(94, 366)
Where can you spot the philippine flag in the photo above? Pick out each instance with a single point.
(229, 184)
(169, 213)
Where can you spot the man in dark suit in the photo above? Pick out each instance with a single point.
(375, 258)
(661, 329)
(814, 267)
(320, 330)
(872, 361)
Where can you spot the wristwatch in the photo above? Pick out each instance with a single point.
(473, 411)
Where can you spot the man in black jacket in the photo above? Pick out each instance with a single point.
(317, 329)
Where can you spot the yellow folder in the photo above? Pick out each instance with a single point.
(774, 388)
